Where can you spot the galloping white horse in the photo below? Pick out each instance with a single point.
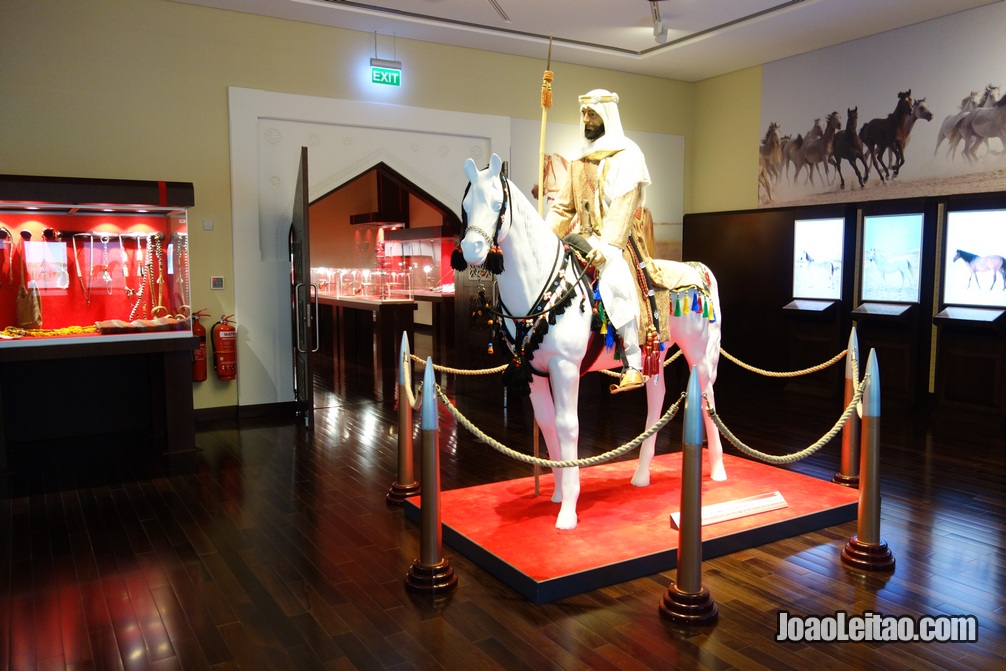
(536, 274)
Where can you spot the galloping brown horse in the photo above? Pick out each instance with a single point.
(879, 135)
(847, 145)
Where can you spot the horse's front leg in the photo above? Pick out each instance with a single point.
(565, 378)
(654, 405)
(544, 415)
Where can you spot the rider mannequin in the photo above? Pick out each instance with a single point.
(599, 200)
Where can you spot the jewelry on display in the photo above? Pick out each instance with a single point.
(105, 275)
(141, 265)
(76, 262)
(182, 267)
(6, 236)
(62, 273)
(159, 253)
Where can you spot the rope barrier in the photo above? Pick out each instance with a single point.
(796, 456)
(796, 373)
(588, 461)
(413, 401)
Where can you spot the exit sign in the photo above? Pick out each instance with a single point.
(386, 76)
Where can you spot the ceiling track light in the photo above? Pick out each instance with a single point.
(659, 29)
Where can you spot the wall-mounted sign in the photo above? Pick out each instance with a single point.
(385, 76)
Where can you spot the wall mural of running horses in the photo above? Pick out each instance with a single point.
(910, 120)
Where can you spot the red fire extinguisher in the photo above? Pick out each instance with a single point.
(199, 354)
(225, 350)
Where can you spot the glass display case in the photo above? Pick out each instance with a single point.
(367, 283)
(78, 261)
(94, 289)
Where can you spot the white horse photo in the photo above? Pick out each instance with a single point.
(542, 282)
(892, 264)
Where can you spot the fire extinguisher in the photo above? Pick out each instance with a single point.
(225, 351)
(199, 354)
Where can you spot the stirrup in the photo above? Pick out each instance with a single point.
(631, 379)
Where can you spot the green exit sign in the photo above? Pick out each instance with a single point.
(386, 76)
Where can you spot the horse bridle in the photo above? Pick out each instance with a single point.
(498, 226)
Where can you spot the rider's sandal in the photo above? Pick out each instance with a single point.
(631, 379)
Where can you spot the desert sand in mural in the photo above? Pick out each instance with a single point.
(979, 182)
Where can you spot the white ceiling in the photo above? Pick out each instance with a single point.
(705, 38)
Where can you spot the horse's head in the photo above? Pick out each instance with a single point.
(483, 209)
(834, 122)
(958, 255)
(920, 110)
(852, 118)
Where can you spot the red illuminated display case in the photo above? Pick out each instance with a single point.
(94, 301)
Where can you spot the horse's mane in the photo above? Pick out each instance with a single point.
(967, 256)
(521, 206)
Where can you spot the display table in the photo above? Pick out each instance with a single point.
(57, 389)
(371, 329)
(443, 318)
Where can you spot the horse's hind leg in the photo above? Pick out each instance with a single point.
(702, 350)
(654, 405)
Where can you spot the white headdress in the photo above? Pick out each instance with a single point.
(605, 104)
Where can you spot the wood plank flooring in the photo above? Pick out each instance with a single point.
(274, 548)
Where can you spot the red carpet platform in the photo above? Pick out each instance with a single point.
(623, 532)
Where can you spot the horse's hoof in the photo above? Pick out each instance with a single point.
(718, 473)
(565, 522)
(557, 497)
(642, 480)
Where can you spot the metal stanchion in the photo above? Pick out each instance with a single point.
(866, 550)
(406, 484)
(686, 601)
(849, 473)
(431, 573)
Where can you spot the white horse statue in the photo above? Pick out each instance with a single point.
(540, 280)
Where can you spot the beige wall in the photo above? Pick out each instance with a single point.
(724, 161)
(137, 89)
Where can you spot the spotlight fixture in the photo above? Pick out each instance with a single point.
(659, 29)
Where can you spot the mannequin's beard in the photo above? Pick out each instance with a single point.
(593, 133)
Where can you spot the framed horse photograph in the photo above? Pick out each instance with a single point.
(817, 258)
(892, 254)
(974, 267)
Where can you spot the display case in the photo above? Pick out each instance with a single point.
(363, 283)
(94, 311)
(92, 258)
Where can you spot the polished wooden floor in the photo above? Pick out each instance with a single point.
(274, 548)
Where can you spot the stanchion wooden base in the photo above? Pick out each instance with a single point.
(684, 608)
(847, 480)
(433, 579)
(398, 493)
(867, 556)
